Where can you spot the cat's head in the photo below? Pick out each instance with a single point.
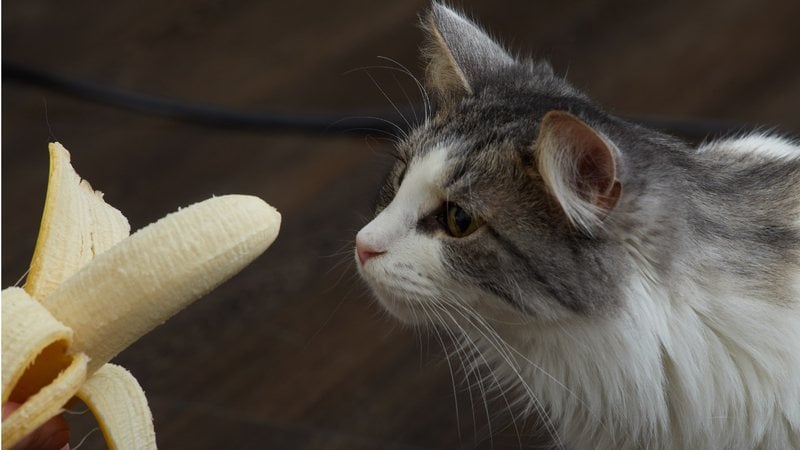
(500, 202)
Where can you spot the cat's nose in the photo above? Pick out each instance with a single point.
(366, 251)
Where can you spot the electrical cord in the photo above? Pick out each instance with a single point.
(197, 113)
(215, 116)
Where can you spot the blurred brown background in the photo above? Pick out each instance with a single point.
(292, 353)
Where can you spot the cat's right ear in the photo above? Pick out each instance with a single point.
(459, 54)
(579, 167)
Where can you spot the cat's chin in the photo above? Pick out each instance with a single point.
(402, 310)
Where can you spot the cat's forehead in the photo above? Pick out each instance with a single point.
(484, 143)
(480, 176)
(467, 146)
(430, 167)
(502, 113)
(436, 165)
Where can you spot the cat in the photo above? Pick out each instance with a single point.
(635, 291)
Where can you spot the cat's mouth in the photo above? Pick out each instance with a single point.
(402, 307)
(400, 289)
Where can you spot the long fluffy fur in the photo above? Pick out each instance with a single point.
(697, 365)
(676, 325)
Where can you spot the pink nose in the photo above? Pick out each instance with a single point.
(365, 251)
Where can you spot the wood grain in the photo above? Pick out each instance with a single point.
(292, 353)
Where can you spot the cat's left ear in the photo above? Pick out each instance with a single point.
(460, 54)
(579, 167)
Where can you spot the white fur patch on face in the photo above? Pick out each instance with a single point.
(757, 144)
(409, 268)
(419, 194)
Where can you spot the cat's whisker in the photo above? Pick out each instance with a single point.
(392, 137)
(502, 350)
(402, 133)
(425, 96)
(347, 272)
(384, 143)
(449, 366)
(417, 330)
(328, 320)
(569, 391)
(343, 250)
(389, 99)
(461, 348)
(482, 389)
(502, 392)
(402, 69)
(469, 368)
(387, 146)
(352, 281)
(407, 97)
(344, 264)
(513, 365)
(473, 316)
(407, 71)
(478, 384)
(343, 258)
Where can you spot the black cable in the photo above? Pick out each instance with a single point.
(216, 116)
(198, 113)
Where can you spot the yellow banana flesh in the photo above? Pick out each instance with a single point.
(136, 285)
(92, 291)
(28, 330)
(121, 422)
(76, 225)
(47, 403)
(37, 371)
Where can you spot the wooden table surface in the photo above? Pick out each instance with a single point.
(292, 353)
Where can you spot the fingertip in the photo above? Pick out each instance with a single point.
(55, 433)
(8, 408)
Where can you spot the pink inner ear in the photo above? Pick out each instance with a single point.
(594, 167)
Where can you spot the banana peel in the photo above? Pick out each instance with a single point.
(93, 290)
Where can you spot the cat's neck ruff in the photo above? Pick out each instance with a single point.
(684, 366)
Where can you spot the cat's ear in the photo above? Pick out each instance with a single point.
(579, 166)
(459, 54)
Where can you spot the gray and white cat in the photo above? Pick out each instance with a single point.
(634, 290)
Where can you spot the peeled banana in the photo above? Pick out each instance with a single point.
(92, 290)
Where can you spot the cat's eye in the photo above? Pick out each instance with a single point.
(458, 222)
